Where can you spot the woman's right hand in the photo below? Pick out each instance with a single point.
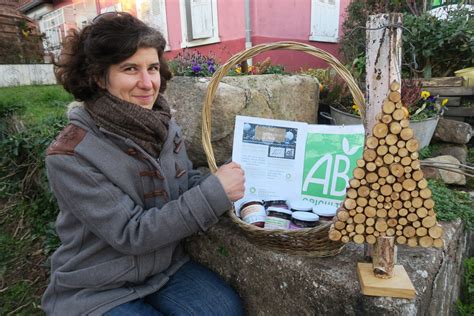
(232, 178)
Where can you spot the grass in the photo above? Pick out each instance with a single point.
(35, 103)
(27, 211)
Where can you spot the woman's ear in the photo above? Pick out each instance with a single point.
(101, 82)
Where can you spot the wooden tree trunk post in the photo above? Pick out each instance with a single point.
(384, 257)
(383, 67)
(383, 62)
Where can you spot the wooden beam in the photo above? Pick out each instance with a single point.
(383, 62)
(443, 82)
(451, 91)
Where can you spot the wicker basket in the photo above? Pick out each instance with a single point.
(312, 242)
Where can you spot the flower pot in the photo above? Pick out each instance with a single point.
(423, 129)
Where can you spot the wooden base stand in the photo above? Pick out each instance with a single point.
(397, 286)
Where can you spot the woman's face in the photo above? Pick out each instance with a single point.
(136, 79)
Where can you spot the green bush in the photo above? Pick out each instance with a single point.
(466, 304)
(451, 204)
(439, 46)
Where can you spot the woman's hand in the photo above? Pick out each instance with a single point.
(232, 179)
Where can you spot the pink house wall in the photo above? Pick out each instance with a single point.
(271, 21)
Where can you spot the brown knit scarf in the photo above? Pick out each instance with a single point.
(147, 128)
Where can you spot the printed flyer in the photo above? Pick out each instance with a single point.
(288, 160)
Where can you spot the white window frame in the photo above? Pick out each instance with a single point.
(184, 27)
(319, 38)
(163, 25)
(55, 25)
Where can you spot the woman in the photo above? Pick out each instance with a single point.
(125, 186)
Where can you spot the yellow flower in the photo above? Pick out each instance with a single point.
(238, 70)
(443, 103)
(355, 108)
(425, 95)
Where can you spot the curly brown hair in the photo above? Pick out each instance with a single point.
(110, 39)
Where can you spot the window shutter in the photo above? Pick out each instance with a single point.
(324, 20)
(199, 19)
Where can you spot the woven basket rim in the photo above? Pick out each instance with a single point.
(253, 232)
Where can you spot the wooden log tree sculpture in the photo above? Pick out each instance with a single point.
(388, 194)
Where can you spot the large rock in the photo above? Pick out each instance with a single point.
(293, 98)
(448, 177)
(272, 283)
(451, 131)
(459, 151)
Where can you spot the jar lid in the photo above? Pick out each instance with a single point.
(301, 205)
(279, 210)
(250, 200)
(326, 211)
(305, 216)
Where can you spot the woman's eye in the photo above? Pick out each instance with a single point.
(155, 68)
(130, 69)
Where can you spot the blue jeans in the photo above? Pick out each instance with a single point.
(192, 290)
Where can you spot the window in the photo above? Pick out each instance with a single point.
(198, 22)
(153, 13)
(55, 26)
(324, 20)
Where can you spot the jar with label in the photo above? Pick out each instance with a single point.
(277, 218)
(275, 203)
(252, 212)
(300, 206)
(325, 214)
(301, 220)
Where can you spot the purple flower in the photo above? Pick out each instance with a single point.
(431, 98)
(196, 68)
(211, 69)
(210, 62)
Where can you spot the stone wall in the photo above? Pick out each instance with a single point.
(27, 74)
(293, 98)
(273, 283)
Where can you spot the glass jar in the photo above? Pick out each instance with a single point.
(301, 220)
(325, 214)
(300, 206)
(275, 203)
(277, 218)
(252, 212)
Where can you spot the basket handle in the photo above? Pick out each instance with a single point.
(357, 94)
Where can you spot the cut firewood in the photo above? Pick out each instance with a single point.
(392, 222)
(345, 239)
(406, 133)
(417, 202)
(335, 235)
(421, 231)
(403, 152)
(395, 86)
(438, 243)
(360, 163)
(381, 225)
(386, 119)
(359, 173)
(435, 231)
(394, 96)
(412, 145)
(370, 166)
(395, 128)
(398, 114)
(370, 239)
(422, 184)
(388, 159)
(370, 222)
(412, 242)
(342, 215)
(401, 240)
(358, 239)
(372, 142)
(402, 221)
(409, 231)
(393, 150)
(426, 241)
(354, 183)
(350, 228)
(388, 107)
(380, 130)
(369, 155)
(429, 221)
(429, 203)
(397, 170)
(382, 150)
(339, 225)
(425, 193)
(409, 184)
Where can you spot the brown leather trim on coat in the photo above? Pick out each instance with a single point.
(67, 141)
(152, 173)
(159, 192)
(177, 146)
(179, 171)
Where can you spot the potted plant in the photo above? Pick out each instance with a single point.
(423, 110)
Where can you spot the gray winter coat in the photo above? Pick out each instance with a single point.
(122, 216)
